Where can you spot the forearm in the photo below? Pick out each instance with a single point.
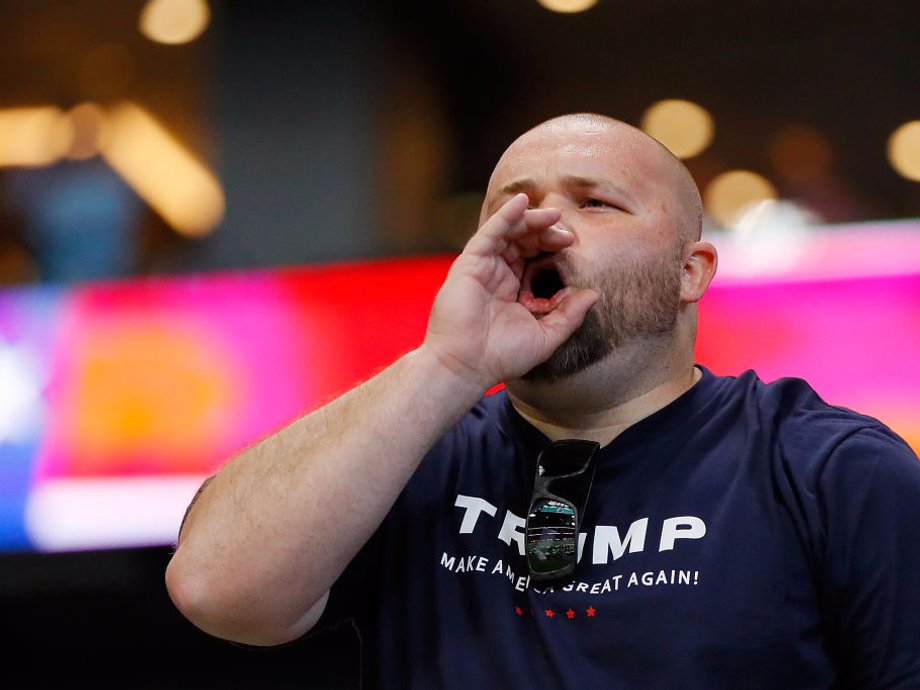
(277, 525)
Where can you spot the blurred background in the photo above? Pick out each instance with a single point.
(215, 215)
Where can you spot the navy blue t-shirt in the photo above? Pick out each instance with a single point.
(747, 535)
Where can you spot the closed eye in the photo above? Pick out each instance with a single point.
(599, 203)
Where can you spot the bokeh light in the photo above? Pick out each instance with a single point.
(729, 195)
(904, 150)
(35, 136)
(568, 6)
(174, 21)
(686, 128)
(163, 172)
(799, 153)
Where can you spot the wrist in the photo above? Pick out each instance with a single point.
(452, 380)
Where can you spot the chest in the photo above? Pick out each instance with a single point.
(689, 566)
(673, 540)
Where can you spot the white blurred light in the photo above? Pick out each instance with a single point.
(96, 513)
(20, 394)
(770, 237)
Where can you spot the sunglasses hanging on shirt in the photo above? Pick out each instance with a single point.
(565, 471)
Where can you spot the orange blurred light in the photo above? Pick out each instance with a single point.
(150, 383)
(733, 193)
(568, 6)
(163, 172)
(32, 137)
(904, 150)
(683, 126)
(174, 21)
(87, 121)
(799, 152)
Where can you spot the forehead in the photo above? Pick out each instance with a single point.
(620, 155)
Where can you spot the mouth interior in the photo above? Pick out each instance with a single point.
(546, 283)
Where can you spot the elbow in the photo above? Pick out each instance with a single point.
(195, 597)
(205, 602)
(211, 604)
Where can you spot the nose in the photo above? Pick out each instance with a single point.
(547, 199)
(558, 201)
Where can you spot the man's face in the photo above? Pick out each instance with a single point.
(637, 300)
(615, 190)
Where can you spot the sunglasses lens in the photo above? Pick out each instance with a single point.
(566, 457)
(551, 537)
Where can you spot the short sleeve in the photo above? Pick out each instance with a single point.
(869, 491)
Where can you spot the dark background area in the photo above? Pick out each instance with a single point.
(359, 129)
(102, 619)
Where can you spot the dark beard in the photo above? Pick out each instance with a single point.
(640, 302)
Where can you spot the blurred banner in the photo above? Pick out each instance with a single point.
(118, 398)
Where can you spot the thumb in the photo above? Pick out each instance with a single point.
(568, 315)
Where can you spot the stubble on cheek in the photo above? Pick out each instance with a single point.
(642, 301)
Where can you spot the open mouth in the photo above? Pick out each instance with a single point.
(543, 285)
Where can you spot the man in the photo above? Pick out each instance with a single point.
(730, 533)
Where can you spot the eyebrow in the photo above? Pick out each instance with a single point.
(527, 184)
(515, 187)
(580, 182)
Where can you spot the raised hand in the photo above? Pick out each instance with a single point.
(477, 327)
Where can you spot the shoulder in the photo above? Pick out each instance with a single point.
(810, 428)
(800, 417)
(810, 436)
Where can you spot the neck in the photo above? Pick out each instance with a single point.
(601, 402)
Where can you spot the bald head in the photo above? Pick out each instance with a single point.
(641, 157)
(634, 214)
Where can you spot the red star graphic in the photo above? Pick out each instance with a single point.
(570, 613)
(518, 610)
(591, 611)
(549, 613)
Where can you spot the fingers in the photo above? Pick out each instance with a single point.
(515, 231)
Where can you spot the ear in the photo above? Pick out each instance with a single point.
(699, 266)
